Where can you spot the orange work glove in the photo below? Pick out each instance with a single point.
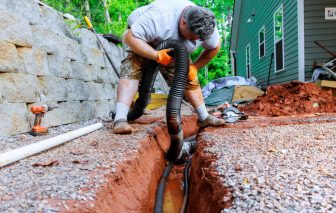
(164, 58)
(192, 72)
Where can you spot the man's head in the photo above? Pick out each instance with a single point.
(199, 21)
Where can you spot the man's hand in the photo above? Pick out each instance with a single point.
(192, 72)
(163, 57)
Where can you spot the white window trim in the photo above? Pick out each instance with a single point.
(263, 28)
(246, 71)
(301, 42)
(283, 39)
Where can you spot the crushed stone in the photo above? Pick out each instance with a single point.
(288, 168)
(28, 188)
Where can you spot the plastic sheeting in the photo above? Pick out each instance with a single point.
(227, 81)
(220, 96)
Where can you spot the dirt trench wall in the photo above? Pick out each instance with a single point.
(43, 59)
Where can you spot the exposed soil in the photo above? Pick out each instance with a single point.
(293, 98)
(132, 187)
(207, 193)
(173, 195)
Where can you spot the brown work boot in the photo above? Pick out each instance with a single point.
(122, 127)
(211, 121)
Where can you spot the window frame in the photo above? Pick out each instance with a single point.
(264, 42)
(248, 70)
(275, 42)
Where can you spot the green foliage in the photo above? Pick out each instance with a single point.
(119, 10)
(220, 65)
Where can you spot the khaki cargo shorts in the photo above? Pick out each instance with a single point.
(132, 68)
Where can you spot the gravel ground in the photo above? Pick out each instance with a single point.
(31, 184)
(277, 168)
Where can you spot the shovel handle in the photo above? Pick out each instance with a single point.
(88, 22)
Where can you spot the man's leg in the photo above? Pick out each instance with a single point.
(131, 73)
(125, 94)
(194, 95)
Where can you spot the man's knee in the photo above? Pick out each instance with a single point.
(193, 85)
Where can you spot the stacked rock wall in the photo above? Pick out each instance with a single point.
(43, 61)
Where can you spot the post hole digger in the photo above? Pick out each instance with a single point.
(89, 24)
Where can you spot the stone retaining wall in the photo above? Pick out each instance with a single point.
(43, 61)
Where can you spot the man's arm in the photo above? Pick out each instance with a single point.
(206, 56)
(140, 47)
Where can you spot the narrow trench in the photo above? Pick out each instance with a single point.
(173, 195)
(132, 188)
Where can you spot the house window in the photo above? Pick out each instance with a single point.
(262, 42)
(279, 40)
(248, 61)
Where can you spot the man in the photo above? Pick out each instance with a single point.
(181, 20)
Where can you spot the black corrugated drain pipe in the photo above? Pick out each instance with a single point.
(174, 98)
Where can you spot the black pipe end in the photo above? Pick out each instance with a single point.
(175, 148)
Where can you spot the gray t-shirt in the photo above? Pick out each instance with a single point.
(159, 21)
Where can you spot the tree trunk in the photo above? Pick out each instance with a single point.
(224, 30)
(87, 9)
(229, 17)
(106, 10)
(67, 3)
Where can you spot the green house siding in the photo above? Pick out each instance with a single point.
(248, 34)
(318, 29)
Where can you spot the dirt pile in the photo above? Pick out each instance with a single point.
(293, 98)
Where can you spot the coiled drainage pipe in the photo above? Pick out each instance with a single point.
(158, 208)
(145, 90)
(174, 98)
(186, 186)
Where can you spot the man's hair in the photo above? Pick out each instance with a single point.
(200, 21)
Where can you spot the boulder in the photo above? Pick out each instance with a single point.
(41, 62)
(52, 20)
(78, 71)
(15, 30)
(54, 43)
(87, 110)
(54, 89)
(18, 87)
(59, 66)
(96, 91)
(9, 59)
(87, 38)
(14, 119)
(92, 56)
(91, 72)
(104, 107)
(107, 92)
(24, 9)
(77, 90)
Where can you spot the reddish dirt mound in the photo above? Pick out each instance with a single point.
(293, 98)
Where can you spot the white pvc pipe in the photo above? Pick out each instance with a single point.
(32, 149)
